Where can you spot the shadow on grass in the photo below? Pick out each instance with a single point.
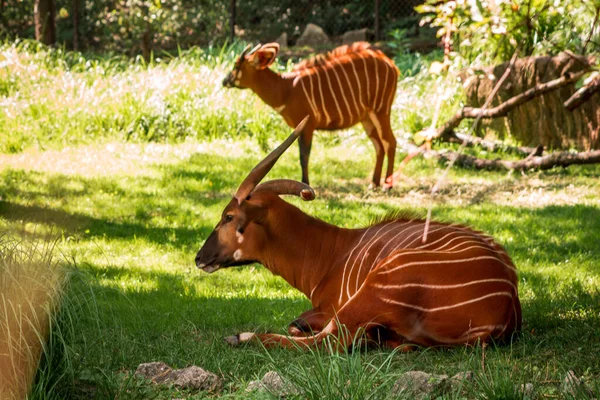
(180, 319)
(77, 223)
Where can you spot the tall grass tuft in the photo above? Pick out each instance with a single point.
(36, 320)
(338, 372)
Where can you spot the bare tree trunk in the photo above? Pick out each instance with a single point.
(45, 27)
(76, 41)
(147, 42)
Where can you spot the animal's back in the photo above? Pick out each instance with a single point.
(456, 287)
(343, 86)
(381, 240)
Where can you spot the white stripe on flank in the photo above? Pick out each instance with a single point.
(431, 230)
(392, 240)
(366, 254)
(297, 78)
(387, 71)
(368, 94)
(309, 100)
(312, 96)
(394, 87)
(443, 240)
(360, 98)
(323, 105)
(435, 309)
(454, 286)
(342, 91)
(312, 291)
(376, 79)
(413, 263)
(376, 123)
(490, 328)
(337, 105)
(416, 233)
(356, 107)
(348, 260)
(375, 237)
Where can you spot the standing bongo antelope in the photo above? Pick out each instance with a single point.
(457, 287)
(349, 85)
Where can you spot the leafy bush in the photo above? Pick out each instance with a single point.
(492, 31)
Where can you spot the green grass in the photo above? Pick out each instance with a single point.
(128, 215)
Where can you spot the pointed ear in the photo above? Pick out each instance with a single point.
(265, 56)
(251, 213)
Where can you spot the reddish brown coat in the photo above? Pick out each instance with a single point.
(349, 85)
(457, 287)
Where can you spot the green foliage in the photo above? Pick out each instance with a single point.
(492, 31)
(140, 158)
(133, 216)
(93, 98)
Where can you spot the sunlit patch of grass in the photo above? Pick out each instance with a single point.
(135, 180)
(50, 98)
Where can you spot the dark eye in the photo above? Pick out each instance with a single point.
(227, 218)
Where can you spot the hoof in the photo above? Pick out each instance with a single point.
(386, 187)
(233, 340)
(236, 340)
(372, 187)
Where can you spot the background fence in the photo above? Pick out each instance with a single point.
(129, 26)
(266, 20)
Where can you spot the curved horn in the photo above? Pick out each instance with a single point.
(263, 167)
(248, 47)
(258, 46)
(287, 186)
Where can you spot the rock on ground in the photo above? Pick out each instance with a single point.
(576, 387)
(274, 384)
(188, 378)
(358, 35)
(423, 385)
(282, 40)
(313, 35)
(420, 384)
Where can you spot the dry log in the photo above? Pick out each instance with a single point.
(557, 159)
(583, 94)
(502, 109)
(544, 119)
(491, 145)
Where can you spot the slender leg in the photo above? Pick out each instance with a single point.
(305, 143)
(371, 130)
(381, 121)
(308, 323)
(362, 313)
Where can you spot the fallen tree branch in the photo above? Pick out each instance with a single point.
(490, 145)
(558, 159)
(502, 109)
(583, 94)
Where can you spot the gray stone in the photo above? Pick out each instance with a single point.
(421, 384)
(188, 378)
(460, 379)
(157, 372)
(282, 40)
(358, 35)
(196, 378)
(575, 387)
(526, 389)
(272, 383)
(313, 35)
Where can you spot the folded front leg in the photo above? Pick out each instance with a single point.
(309, 323)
